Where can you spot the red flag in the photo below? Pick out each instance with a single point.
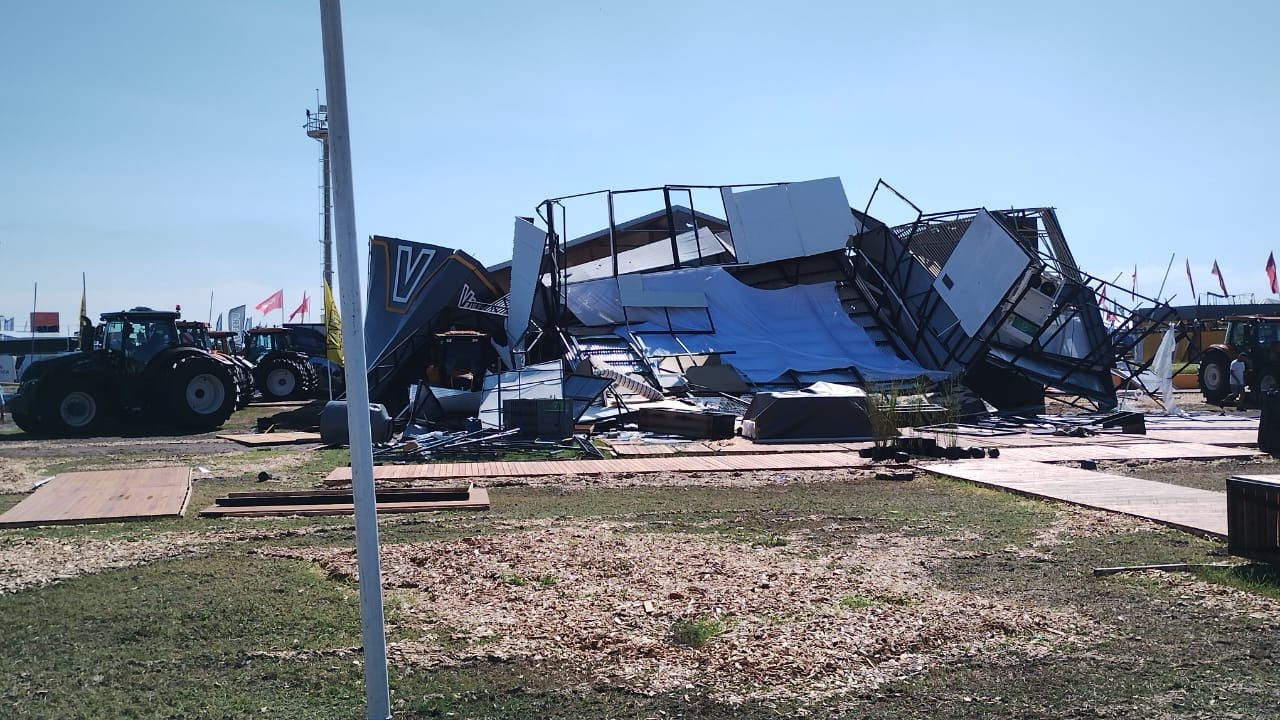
(1133, 290)
(272, 303)
(1193, 282)
(1271, 272)
(1102, 303)
(302, 309)
(1221, 283)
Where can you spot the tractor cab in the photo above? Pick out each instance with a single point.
(263, 340)
(192, 333)
(138, 335)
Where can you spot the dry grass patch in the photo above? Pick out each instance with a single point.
(771, 622)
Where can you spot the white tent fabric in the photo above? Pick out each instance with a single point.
(1162, 366)
(764, 333)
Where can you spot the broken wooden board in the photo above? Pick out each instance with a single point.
(670, 463)
(1130, 451)
(477, 499)
(1190, 509)
(272, 438)
(104, 496)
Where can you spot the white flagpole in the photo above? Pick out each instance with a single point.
(373, 629)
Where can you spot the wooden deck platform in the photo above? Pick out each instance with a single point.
(1199, 511)
(104, 496)
(1127, 451)
(669, 463)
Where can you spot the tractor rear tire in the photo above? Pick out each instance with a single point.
(200, 393)
(280, 379)
(1215, 378)
(73, 409)
(28, 423)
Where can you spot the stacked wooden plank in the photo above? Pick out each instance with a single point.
(342, 502)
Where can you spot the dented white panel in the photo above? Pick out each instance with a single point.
(981, 272)
(787, 221)
(526, 262)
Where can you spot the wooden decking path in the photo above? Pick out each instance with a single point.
(1199, 511)
(104, 496)
(671, 463)
(1129, 451)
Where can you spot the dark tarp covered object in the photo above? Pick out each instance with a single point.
(820, 412)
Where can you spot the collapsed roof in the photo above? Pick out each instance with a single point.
(791, 287)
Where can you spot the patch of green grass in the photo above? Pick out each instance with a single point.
(856, 602)
(770, 541)
(697, 631)
(210, 636)
(1257, 579)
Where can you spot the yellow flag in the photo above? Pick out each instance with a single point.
(332, 328)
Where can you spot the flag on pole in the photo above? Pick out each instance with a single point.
(235, 319)
(302, 309)
(1193, 282)
(1133, 289)
(1271, 272)
(332, 328)
(275, 301)
(1221, 283)
(86, 325)
(1110, 316)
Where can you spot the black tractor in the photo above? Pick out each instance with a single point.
(279, 371)
(135, 370)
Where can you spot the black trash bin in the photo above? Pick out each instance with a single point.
(1269, 422)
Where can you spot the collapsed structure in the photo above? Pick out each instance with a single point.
(790, 287)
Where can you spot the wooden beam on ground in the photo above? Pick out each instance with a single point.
(271, 438)
(477, 499)
(104, 496)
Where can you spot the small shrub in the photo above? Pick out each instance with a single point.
(695, 632)
(770, 541)
(547, 580)
(516, 580)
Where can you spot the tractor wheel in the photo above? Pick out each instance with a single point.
(280, 379)
(73, 409)
(28, 423)
(1214, 378)
(310, 378)
(1266, 382)
(200, 393)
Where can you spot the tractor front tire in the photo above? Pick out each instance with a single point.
(200, 393)
(73, 409)
(280, 379)
(1215, 377)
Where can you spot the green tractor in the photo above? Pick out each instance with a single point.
(1256, 339)
(135, 370)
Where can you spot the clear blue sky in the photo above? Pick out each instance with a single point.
(158, 146)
